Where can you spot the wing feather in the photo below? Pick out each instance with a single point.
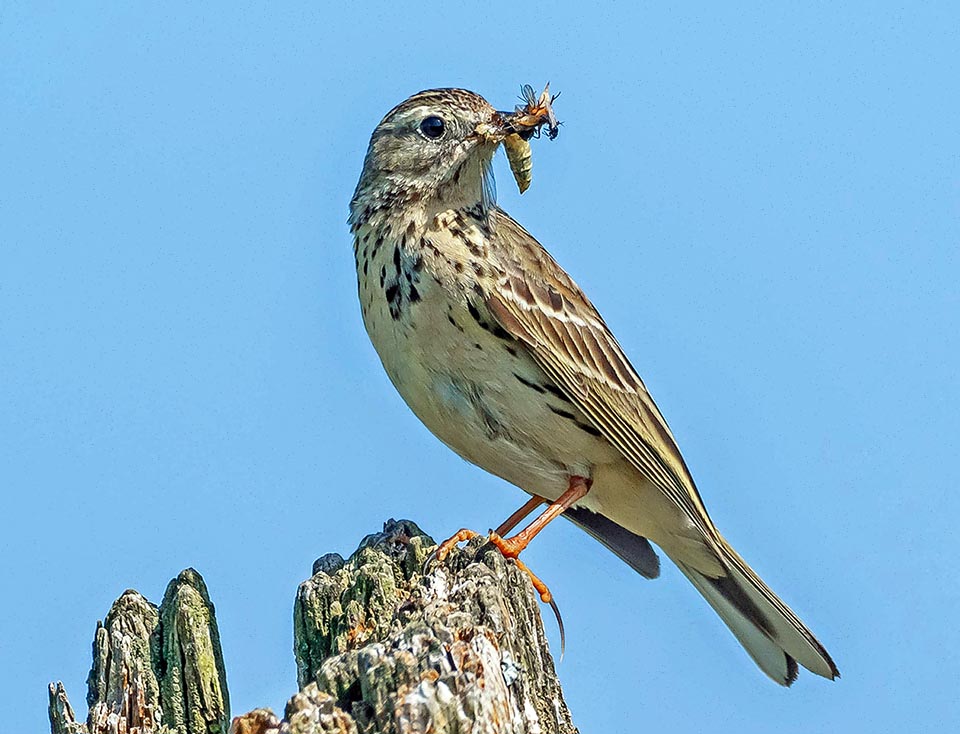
(538, 303)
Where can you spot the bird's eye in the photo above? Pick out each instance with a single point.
(432, 127)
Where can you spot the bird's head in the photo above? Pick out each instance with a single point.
(435, 147)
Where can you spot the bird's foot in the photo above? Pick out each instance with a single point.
(441, 552)
(510, 548)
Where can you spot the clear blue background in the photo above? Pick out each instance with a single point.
(763, 202)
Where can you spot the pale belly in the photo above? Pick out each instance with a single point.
(476, 389)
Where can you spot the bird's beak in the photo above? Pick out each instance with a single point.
(495, 129)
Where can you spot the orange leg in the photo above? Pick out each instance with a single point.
(512, 547)
(443, 550)
(511, 522)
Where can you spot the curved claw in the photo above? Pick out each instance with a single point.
(510, 548)
(563, 637)
(546, 597)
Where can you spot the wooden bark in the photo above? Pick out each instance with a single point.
(379, 647)
(155, 669)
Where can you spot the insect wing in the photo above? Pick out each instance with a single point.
(529, 96)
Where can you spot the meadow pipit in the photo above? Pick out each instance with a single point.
(502, 356)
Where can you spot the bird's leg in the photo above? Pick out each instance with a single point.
(511, 522)
(512, 547)
(443, 550)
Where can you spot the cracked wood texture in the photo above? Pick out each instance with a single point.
(379, 647)
(460, 649)
(156, 670)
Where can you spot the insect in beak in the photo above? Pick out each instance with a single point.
(523, 123)
(526, 121)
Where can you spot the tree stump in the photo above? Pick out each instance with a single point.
(379, 646)
(155, 669)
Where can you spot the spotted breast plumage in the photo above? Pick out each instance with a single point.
(502, 356)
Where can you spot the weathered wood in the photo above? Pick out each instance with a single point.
(123, 685)
(62, 718)
(194, 684)
(380, 647)
(155, 670)
(460, 649)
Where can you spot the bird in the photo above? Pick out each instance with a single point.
(503, 358)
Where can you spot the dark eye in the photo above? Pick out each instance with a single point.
(432, 127)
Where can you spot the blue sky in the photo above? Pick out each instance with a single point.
(763, 203)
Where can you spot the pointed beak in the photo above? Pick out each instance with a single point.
(511, 122)
(495, 129)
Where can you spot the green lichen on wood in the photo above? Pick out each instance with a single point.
(460, 649)
(155, 670)
(194, 682)
(312, 711)
(346, 604)
(380, 647)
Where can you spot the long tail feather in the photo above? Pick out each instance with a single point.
(767, 628)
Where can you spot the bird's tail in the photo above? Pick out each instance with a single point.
(766, 627)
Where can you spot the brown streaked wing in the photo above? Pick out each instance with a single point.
(539, 304)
